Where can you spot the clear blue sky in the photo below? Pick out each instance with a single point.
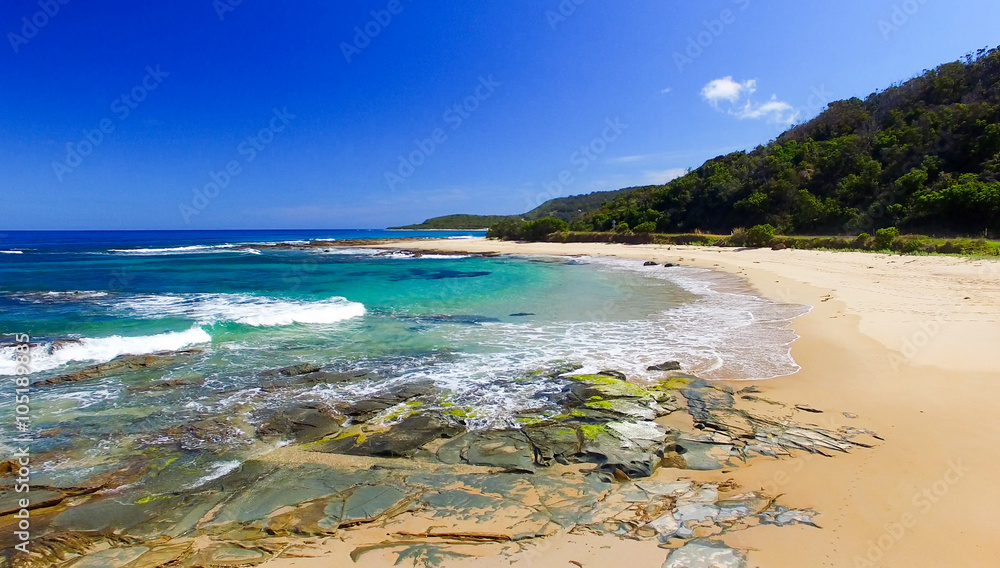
(323, 122)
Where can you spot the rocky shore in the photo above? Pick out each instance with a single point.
(405, 476)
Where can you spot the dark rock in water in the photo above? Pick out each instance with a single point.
(304, 424)
(670, 265)
(168, 384)
(123, 364)
(316, 378)
(521, 314)
(399, 440)
(650, 263)
(213, 435)
(291, 371)
(61, 343)
(610, 393)
(364, 410)
(461, 319)
(558, 369)
(616, 374)
(424, 274)
(668, 366)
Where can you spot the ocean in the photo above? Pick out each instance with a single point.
(472, 325)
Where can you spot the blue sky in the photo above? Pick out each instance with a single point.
(203, 114)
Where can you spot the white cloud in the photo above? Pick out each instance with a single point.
(666, 91)
(629, 159)
(741, 106)
(664, 176)
(774, 110)
(727, 89)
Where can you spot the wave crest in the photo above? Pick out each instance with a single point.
(47, 356)
(258, 311)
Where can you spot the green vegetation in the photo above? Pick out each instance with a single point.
(884, 238)
(923, 156)
(518, 230)
(574, 207)
(456, 223)
(569, 209)
(647, 227)
(759, 236)
(904, 244)
(592, 431)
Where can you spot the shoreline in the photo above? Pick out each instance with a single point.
(902, 343)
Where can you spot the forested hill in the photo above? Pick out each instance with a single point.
(569, 209)
(923, 156)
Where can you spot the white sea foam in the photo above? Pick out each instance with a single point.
(49, 297)
(47, 356)
(357, 251)
(240, 308)
(445, 256)
(11, 252)
(193, 249)
(726, 332)
(217, 470)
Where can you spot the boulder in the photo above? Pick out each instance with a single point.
(124, 363)
(554, 442)
(508, 449)
(399, 440)
(618, 457)
(667, 366)
(364, 410)
(304, 424)
(291, 371)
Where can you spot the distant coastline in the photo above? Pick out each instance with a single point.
(409, 228)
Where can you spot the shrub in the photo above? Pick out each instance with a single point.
(538, 230)
(759, 236)
(739, 237)
(910, 245)
(647, 227)
(507, 230)
(622, 228)
(884, 238)
(864, 240)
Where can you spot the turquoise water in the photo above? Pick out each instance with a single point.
(472, 325)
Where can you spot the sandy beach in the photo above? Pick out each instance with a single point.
(902, 345)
